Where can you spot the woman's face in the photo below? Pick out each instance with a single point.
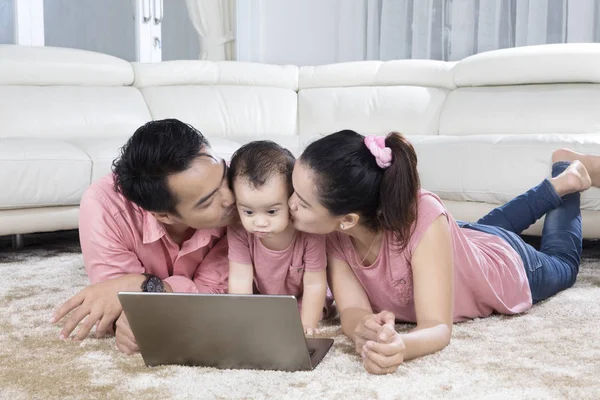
(307, 213)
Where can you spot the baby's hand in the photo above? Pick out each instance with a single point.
(310, 330)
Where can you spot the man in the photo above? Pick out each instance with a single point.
(156, 224)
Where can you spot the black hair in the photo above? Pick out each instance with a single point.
(155, 151)
(348, 180)
(258, 161)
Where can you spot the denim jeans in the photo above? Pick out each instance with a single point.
(555, 266)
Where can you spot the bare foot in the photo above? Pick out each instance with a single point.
(591, 163)
(573, 179)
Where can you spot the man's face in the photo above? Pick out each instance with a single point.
(202, 194)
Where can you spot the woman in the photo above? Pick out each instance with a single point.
(395, 253)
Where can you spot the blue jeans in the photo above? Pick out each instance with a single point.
(555, 266)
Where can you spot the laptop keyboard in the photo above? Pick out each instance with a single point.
(311, 352)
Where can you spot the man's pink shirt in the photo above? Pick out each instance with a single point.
(118, 238)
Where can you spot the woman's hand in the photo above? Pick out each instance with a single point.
(386, 353)
(368, 328)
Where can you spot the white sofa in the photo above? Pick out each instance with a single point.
(484, 128)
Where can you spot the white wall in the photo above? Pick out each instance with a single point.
(301, 32)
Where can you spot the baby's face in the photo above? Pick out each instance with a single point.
(264, 211)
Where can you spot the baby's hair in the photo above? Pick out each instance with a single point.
(258, 161)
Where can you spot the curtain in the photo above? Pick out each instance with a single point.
(453, 29)
(214, 20)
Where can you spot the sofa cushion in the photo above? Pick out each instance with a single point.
(548, 63)
(41, 172)
(429, 73)
(493, 168)
(371, 110)
(71, 112)
(59, 66)
(227, 110)
(101, 152)
(529, 109)
(222, 73)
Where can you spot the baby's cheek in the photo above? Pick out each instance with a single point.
(246, 222)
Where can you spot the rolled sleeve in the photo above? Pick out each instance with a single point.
(105, 253)
(212, 275)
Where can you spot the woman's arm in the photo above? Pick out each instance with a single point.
(358, 321)
(433, 282)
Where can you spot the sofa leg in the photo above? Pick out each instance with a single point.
(18, 241)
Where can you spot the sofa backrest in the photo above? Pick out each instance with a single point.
(526, 90)
(373, 97)
(67, 94)
(231, 100)
(70, 94)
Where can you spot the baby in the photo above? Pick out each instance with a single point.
(266, 252)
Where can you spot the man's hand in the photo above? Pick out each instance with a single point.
(385, 355)
(369, 327)
(125, 340)
(98, 305)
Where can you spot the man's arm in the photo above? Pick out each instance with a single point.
(111, 268)
(106, 249)
(213, 273)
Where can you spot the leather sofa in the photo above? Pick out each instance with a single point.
(484, 127)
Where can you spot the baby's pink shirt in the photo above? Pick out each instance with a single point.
(489, 276)
(278, 272)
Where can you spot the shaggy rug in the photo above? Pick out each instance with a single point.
(551, 352)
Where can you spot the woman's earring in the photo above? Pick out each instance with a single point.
(342, 226)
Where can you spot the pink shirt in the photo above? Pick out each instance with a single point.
(489, 275)
(278, 272)
(118, 238)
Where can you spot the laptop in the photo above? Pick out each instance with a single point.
(222, 330)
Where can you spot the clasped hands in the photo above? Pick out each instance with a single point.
(376, 340)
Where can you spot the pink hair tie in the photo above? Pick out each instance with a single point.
(382, 154)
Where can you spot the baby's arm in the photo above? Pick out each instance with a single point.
(241, 269)
(315, 282)
(313, 299)
(241, 277)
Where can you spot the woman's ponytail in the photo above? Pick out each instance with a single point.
(399, 189)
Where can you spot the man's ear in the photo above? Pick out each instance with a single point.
(163, 217)
(349, 221)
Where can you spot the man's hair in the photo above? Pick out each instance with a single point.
(258, 161)
(155, 151)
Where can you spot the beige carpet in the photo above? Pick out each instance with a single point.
(552, 352)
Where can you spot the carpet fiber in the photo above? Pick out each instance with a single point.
(551, 352)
